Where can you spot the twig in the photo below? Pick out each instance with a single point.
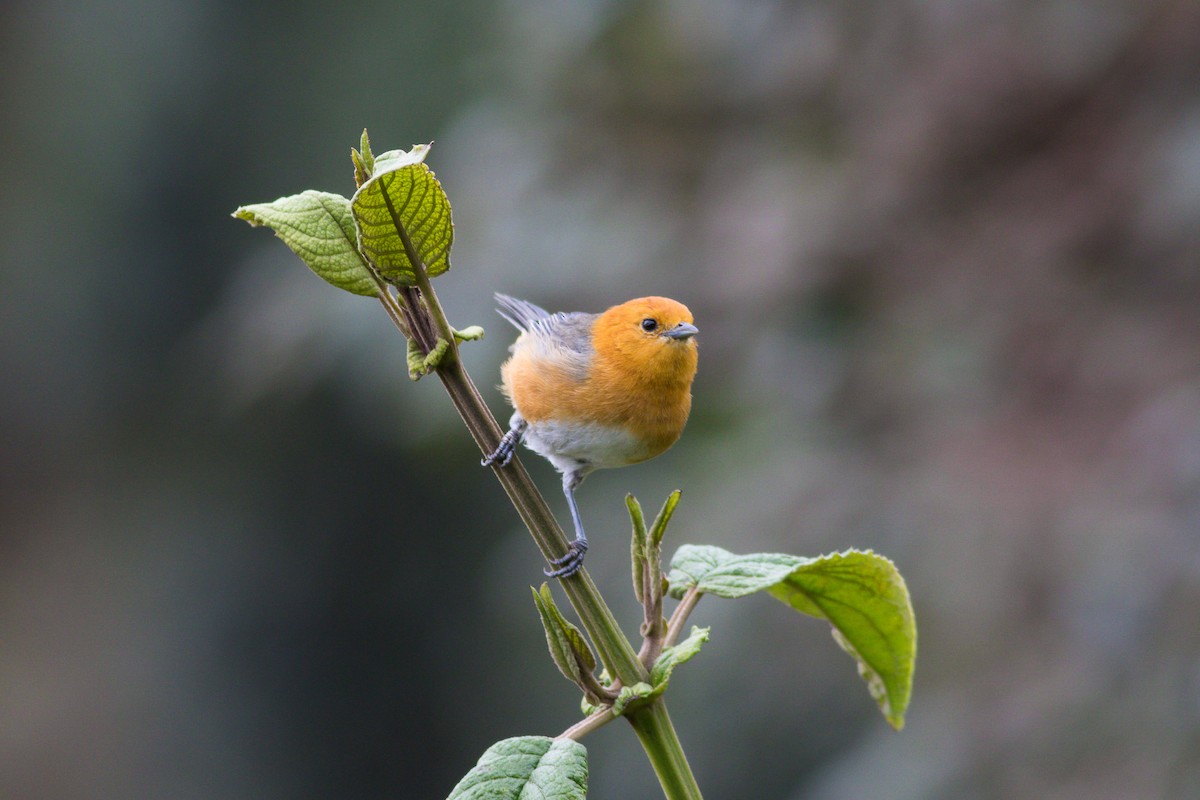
(680, 616)
(593, 722)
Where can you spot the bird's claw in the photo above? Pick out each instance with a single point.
(503, 454)
(567, 565)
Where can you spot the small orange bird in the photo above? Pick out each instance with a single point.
(593, 391)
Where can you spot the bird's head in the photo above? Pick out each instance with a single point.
(652, 337)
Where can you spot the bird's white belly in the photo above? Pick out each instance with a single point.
(571, 445)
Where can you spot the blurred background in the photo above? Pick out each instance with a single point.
(944, 260)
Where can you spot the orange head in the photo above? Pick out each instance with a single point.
(649, 340)
(644, 363)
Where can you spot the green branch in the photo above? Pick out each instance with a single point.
(650, 722)
(654, 730)
(614, 649)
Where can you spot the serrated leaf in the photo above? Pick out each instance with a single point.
(471, 333)
(672, 657)
(318, 227)
(568, 648)
(527, 768)
(865, 598)
(394, 159)
(637, 693)
(403, 204)
(660, 673)
(860, 593)
(720, 572)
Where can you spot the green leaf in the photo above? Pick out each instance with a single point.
(587, 705)
(860, 593)
(471, 333)
(402, 213)
(664, 516)
(724, 574)
(527, 768)
(421, 364)
(637, 547)
(865, 598)
(672, 657)
(568, 648)
(318, 227)
(363, 159)
(637, 694)
(660, 674)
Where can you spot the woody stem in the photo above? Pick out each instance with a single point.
(612, 646)
(650, 722)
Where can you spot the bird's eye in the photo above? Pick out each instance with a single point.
(649, 324)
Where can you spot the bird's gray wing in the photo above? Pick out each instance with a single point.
(520, 313)
(562, 333)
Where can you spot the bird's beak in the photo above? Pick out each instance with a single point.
(684, 330)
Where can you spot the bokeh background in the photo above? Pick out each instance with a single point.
(944, 258)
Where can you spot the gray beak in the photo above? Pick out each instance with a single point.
(684, 330)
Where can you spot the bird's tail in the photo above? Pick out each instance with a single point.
(520, 313)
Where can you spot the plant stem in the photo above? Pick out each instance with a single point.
(391, 307)
(651, 723)
(654, 730)
(613, 647)
(680, 617)
(588, 724)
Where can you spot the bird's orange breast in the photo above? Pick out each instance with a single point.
(640, 387)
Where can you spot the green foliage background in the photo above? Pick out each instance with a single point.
(942, 257)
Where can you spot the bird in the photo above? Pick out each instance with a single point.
(595, 391)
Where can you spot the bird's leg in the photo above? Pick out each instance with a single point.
(508, 444)
(567, 565)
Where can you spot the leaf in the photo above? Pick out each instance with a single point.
(318, 227)
(865, 598)
(637, 547)
(363, 160)
(421, 364)
(672, 657)
(720, 572)
(860, 593)
(659, 528)
(401, 209)
(527, 768)
(638, 695)
(587, 705)
(471, 333)
(568, 648)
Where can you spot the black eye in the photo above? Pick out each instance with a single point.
(649, 324)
